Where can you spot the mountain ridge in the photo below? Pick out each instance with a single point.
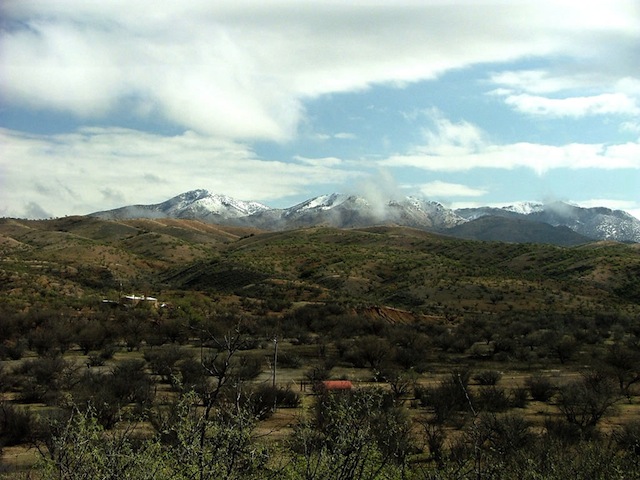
(520, 223)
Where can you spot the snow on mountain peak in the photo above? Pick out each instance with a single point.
(323, 202)
(524, 208)
(202, 202)
(350, 210)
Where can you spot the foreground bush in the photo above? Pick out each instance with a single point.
(188, 445)
(363, 434)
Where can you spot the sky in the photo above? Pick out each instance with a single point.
(106, 103)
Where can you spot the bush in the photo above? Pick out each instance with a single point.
(163, 360)
(42, 379)
(488, 377)
(357, 434)
(586, 401)
(264, 399)
(505, 434)
(12, 349)
(627, 437)
(540, 387)
(289, 360)
(492, 399)
(450, 396)
(519, 397)
(16, 424)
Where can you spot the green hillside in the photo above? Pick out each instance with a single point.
(471, 356)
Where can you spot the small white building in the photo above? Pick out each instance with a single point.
(136, 300)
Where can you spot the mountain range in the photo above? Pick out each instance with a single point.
(555, 223)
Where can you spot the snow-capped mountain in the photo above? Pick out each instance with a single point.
(598, 223)
(196, 204)
(349, 211)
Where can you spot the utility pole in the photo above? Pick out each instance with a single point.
(275, 359)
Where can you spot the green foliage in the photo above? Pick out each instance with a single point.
(189, 445)
(42, 379)
(353, 435)
(163, 361)
(264, 399)
(81, 449)
(210, 446)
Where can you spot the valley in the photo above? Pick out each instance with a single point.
(456, 344)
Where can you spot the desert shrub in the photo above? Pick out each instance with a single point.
(43, 378)
(318, 374)
(356, 435)
(91, 336)
(264, 399)
(492, 399)
(16, 424)
(488, 377)
(40, 340)
(107, 393)
(450, 396)
(12, 349)
(162, 360)
(519, 397)
(501, 434)
(192, 376)
(78, 447)
(558, 429)
(401, 382)
(94, 392)
(247, 367)
(98, 359)
(208, 444)
(624, 363)
(627, 437)
(289, 360)
(5, 380)
(434, 436)
(108, 351)
(370, 351)
(130, 382)
(586, 401)
(540, 387)
(94, 359)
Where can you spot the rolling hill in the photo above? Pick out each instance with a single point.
(396, 267)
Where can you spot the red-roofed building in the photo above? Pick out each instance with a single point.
(337, 385)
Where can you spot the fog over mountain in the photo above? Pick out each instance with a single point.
(557, 222)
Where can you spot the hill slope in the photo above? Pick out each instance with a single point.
(395, 267)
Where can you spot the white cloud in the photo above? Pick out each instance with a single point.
(631, 126)
(243, 69)
(325, 161)
(447, 138)
(534, 81)
(100, 168)
(323, 137)
(540, 158)
(439, 189)
(635, 212)
(345, 136)
(462, 146)
(603, 104)
(613, 204)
